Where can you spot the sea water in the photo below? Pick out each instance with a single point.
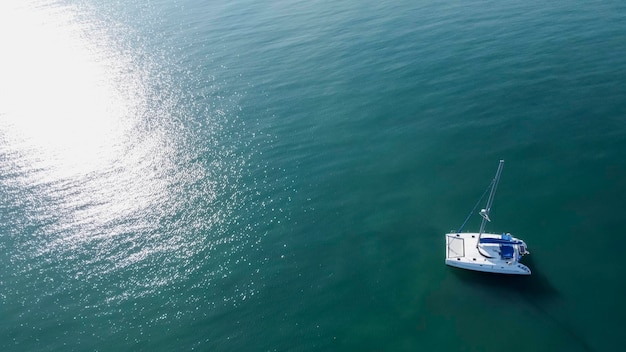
(279, 176)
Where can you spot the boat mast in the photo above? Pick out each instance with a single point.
(485, 212)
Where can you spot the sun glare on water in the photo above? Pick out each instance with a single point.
(72, 132)
(59, 103)
(100, 176)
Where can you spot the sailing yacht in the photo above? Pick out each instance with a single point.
(488, 252)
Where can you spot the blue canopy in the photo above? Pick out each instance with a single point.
(498, 241)
(507, 251)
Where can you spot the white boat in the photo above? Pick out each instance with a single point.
(488, 252)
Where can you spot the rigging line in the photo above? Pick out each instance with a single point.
(475, 206)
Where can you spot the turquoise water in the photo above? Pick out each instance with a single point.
(252, 176)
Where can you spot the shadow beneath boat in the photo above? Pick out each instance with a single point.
(535, 289)
(535, 286)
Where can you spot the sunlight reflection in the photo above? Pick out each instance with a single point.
(104, 176)
(59, 103)
(71, 119)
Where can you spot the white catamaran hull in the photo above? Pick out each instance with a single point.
(464, 251)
